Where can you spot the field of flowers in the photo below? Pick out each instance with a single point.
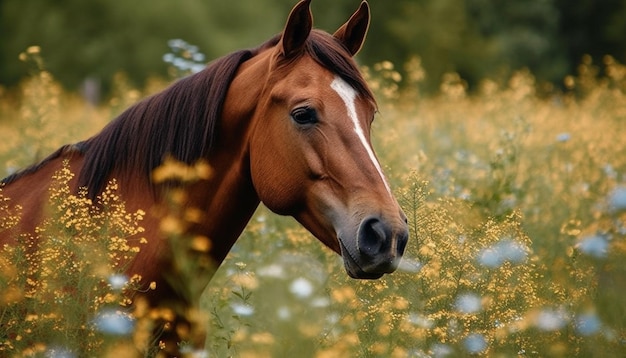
(517, 209)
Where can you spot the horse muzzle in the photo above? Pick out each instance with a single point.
(375, 249)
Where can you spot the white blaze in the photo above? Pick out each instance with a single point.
(348, 95)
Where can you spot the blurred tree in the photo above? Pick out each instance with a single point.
(82, 39)
(440, 32)
(523, 34)
(592, 27)
(476, 38)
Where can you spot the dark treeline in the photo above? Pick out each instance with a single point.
(476, 38)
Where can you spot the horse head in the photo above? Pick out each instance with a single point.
(310, 151)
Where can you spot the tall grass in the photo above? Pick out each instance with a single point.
(516, 203)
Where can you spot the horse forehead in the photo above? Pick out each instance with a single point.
(307, 72)
(358, 107)
(347, 93)
(306, 77)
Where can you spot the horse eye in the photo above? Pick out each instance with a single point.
(304, 115)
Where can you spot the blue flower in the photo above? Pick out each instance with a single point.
(57, 352)
(587, 324)
(475, 343)
(114, 322)
(468, 303)
(594, 245)
(617, 198)
(506, 250)
(563, 137)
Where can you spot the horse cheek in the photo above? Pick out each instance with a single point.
(271, 180)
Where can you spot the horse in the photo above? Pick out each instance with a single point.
(286, 124)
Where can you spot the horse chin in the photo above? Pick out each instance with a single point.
(352, 267)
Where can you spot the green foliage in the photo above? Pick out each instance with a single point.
(477, 38)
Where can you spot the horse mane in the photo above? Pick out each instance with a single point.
(181, 120)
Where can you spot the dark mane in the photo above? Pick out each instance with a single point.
(181, 120)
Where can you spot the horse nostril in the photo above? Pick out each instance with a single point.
(373, 237)
(403, 239)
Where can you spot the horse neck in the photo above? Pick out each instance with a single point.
(229, 198)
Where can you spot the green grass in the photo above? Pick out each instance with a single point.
(517, 215)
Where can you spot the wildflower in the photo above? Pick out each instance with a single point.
(587, 324)
(168, 58)
(506, 250)
(272, 270)
(563, 137)
(475, 343)
(320, 302)
(343, 294)
(468, 303)
(594, 245)
(263, 338)
(118, 281)
(246, 280)
(201, 243)
(441, 350)
(301, 287)
(550, 319)
(617, 198)
(283, 313)
(59, 352)
(420, 320)
(172, 169)
(242, 309)
(114, 322)
(33, 50)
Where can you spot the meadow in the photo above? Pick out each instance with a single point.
(516, 199)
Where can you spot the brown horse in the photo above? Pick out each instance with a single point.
(286, 124)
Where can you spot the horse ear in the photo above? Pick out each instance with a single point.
(297, 29)
(352, 33)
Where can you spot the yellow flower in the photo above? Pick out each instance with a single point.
(201, 243)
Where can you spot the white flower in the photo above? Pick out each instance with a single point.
(550, 319)
(301, 287)
(242, 309)
(118, 281)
